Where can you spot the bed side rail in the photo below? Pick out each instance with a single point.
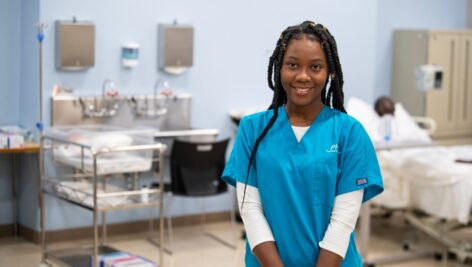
(426, 123)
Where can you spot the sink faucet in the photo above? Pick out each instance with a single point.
(106, 84)
(159, 82)
(165, 84)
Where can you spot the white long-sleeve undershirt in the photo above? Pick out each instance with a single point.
(342, 222)
(336, 239)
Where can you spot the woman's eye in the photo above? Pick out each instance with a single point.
(316, 67)
(291, 65)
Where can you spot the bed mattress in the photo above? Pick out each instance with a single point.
(431, 179)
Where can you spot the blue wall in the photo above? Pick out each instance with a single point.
(232, 47)
(9, 90)
(405, 14)
(10, 63)
(29, 106)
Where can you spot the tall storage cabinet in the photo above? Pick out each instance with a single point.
(451, 105)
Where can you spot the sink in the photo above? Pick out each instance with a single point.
(189, 133)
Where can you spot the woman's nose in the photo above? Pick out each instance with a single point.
(303, 75)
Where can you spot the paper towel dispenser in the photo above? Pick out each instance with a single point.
(175, 49)
(75, 45)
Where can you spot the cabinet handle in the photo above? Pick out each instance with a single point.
(451, 76)
(466, 80)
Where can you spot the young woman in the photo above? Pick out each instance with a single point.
(303, 167)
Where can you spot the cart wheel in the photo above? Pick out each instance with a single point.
(437, 256)
(387, 215)
(406, 246)
(451, 256)
(243, 235)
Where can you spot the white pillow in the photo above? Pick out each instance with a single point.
(365, 114)
(97, 141)
(407, 130)
(111, 140)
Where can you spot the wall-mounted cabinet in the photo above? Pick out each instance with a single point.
(451, 105)
(75, 45)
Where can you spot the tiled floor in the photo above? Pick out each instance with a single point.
(193, 248)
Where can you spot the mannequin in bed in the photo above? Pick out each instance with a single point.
(385, 108)
(384, 105)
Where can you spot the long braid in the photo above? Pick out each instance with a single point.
(337, 81)
(279, 98)
(258, 141)
(334, 93)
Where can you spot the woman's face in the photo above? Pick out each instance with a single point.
(304, 72)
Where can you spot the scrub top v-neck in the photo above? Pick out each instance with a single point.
(298, 181)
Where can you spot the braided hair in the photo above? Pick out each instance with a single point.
(331, 95)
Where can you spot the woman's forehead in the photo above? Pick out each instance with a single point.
(305, 47)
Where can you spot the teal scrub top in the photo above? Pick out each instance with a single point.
(298, 181)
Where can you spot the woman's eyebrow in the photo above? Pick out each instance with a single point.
(292, 57)
(315, 59)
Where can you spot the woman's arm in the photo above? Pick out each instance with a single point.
(327, 258)
(267, 254)
(335, 243)
(258, 232)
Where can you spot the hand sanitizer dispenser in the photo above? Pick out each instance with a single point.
(130, 55)
(429, 77)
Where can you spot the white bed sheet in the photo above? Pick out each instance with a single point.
(106, 164)
(82, 192)
(429, 179)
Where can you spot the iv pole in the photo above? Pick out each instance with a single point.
(40, 26)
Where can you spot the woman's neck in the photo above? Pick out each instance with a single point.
(302, 116)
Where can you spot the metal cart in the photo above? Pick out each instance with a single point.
(97, 190)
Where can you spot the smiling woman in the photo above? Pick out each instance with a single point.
(303, 167)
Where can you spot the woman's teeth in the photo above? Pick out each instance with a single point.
(302, 90)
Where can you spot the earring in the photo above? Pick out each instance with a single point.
(328, 85)
(322, 44)
(331, 100)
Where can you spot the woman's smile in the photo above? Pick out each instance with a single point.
(302, 91)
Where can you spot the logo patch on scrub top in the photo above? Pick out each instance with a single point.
(361, 181)
(333, 149)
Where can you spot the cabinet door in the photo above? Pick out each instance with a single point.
(443, 50)
(464, 111)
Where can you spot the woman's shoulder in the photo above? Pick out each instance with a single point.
(256, 119)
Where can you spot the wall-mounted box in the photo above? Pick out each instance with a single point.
(175, 49)
(75, 45)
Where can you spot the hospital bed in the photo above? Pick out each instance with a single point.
(99, 170)
(419, 175)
